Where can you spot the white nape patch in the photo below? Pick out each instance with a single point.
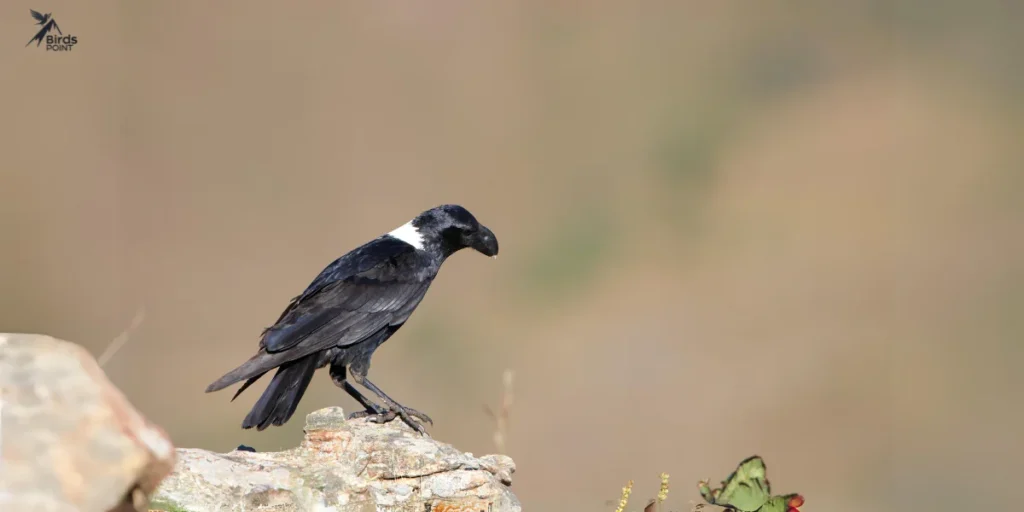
(409, 234)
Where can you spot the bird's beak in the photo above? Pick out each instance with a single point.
(485, 242)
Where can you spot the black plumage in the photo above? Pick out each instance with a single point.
(355, 304)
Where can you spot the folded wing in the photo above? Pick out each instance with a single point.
(353, 298)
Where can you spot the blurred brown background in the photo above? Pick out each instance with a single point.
(784, 228)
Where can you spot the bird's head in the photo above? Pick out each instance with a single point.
(450, 228)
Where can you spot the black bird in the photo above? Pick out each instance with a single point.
(355, 304)
(48, 23)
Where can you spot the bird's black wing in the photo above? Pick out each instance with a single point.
(353, 297)
(38, 16)
(372, 287)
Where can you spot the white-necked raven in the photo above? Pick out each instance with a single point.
(353, 306)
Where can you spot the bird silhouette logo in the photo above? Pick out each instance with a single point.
(48, 24)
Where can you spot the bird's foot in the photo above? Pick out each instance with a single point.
(361, 414)
(407, 414)
(375, 410)
(416, 414)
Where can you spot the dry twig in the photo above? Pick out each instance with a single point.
(121, 339)
(501, 417)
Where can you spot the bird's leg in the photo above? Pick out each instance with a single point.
(391, 402)
(372, 409)
(394, 408)
(337, 372)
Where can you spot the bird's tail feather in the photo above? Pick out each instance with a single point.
(252, 369)
(247, 384)
(279, 400)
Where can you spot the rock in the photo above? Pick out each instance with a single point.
(69, 439)
(341, 466)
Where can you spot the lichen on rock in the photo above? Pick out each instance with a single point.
(341, 466)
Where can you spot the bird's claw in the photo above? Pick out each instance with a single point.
(397, 411)
(375, 411)
(418, 415)
(407, 416)
(361, 414)
(382, 417)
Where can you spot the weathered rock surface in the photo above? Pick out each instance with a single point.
(69, 439)
(341, 466)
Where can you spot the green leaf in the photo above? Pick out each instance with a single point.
(747, 490)
(787, 503)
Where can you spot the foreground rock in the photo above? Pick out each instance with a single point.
(342, 466)
(69, 440)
